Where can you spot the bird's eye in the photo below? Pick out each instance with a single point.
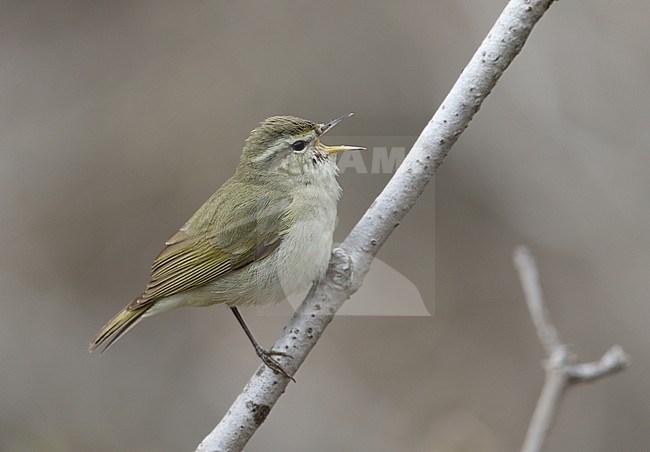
(298, 145)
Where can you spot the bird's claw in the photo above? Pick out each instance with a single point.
(266, 357)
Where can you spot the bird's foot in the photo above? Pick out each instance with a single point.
(266, 357)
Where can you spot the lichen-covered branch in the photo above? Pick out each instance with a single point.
(351, 261)
(562, 368)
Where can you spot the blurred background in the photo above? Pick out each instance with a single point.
(118, 119)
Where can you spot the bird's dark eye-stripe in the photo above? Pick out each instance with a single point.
(298, 145)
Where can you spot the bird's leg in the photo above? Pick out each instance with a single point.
(265, 355)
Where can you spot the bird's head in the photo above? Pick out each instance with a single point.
(289, 147)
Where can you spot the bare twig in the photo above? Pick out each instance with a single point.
(351, 261)
(529, 277)
(562, 368)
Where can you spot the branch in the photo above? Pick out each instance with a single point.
(351, 261)
(562, 368)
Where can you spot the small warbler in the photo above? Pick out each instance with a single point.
(266, 233)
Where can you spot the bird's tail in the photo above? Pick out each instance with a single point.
(117, 327)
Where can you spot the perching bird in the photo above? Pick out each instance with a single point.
(266, 233)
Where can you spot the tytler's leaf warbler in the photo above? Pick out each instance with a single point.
(266, 233)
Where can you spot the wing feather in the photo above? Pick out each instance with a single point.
(223, 236)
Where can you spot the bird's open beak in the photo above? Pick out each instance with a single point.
(335, 149)
(339, 148)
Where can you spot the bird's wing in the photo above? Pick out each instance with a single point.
(216, 242)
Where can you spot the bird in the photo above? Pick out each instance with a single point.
(266, 233)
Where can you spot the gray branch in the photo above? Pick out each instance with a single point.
(562, 368)
(351, 261)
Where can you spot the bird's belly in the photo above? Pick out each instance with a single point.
(304, 254)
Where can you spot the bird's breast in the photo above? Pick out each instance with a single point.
(306, 248)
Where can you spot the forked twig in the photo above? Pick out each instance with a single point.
(562, 368)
